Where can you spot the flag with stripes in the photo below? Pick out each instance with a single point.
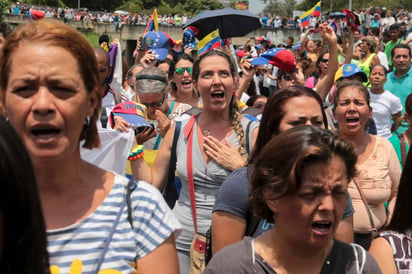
(209, 42)
(314, 11)
(152, 25)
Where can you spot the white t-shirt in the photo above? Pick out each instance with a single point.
(384, 105)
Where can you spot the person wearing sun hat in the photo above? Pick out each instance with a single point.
(350, 72)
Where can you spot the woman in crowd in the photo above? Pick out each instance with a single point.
(257, 101)
(304, 170)
(151, 87)
(49, 87)
(23, 244)
(180, 75)
(379, 169)
(392, 249)
(231, 219)
(386, 106)
(368, 56)
(402, 142)
(322, 70)
(222, 140)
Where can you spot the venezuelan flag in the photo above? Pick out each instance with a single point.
(209, 42)
(152, 25)
(314, 11)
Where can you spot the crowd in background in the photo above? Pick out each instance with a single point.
(319, 127)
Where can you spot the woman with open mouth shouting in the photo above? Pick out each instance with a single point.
(210, 146)
(379, 169)
(180, 75)
(301, 180)
(95, 219)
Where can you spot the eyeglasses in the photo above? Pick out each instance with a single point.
(156, 105)
(286, 77)
(181, 71)
(324, 60)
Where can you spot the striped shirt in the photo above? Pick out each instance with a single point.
(153, 223)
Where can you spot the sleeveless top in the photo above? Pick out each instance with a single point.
(401, 244)
(366, 65)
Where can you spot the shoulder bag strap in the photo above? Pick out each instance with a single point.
(110, 237)
(249, 123)
(189, 135)
(374, 230)
(169, 191)
(404, 154)
(129, 190)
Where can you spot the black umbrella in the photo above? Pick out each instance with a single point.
(230, 22)
(337, 14)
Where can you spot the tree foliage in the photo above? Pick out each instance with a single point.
(279, 7)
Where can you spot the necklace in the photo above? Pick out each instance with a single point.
(206, 132)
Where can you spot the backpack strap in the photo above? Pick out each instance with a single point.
(169, 191)
(252, 221)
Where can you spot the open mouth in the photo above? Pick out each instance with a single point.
(186, 83)
(352, 120)
(45, 132)
(218, 95)
(321, 227)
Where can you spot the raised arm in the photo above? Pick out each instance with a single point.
(326, 83)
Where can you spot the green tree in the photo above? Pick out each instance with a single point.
(197, 6)
(281, 8)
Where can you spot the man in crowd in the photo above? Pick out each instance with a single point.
(394, 31)
(400, 80)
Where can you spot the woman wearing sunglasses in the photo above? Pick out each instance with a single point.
(180, 75)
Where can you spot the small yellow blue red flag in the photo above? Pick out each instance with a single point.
(314, 11)
(209, 42)
(152, 25)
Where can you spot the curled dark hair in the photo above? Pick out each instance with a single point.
(273, 113)
(281, 163)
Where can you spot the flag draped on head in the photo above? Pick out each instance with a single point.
(152, 25)
(314, 11)
(209, 42)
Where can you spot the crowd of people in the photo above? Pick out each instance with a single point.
(254, 158)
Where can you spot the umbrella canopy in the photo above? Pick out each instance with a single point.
(230, 22)
(337, 14)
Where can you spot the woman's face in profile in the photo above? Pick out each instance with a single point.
(317, 205)
(301, 110)
(46, 99)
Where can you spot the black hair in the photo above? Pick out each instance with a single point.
(24, 231)
(401, 46)
(104, 38)
(402, 214)
(394, 27)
